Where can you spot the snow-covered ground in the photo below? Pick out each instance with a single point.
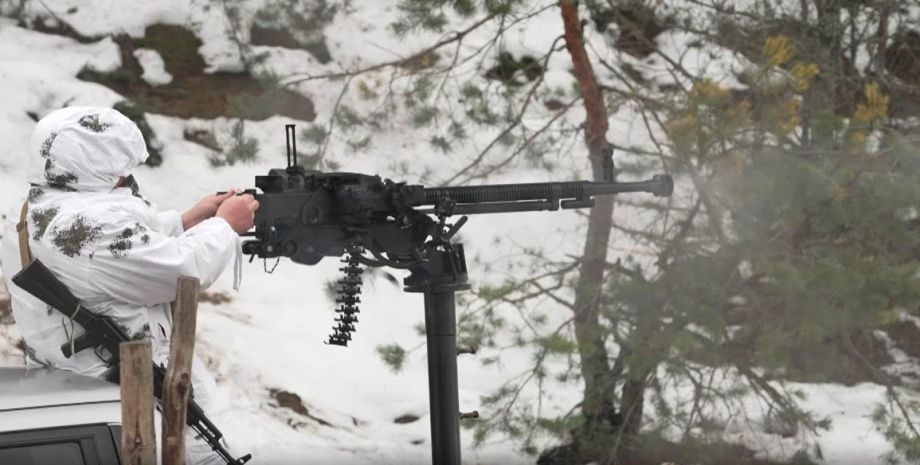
(270, 335)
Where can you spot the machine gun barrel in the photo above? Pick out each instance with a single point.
(538, 196)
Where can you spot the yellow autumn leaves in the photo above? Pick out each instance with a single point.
(869, 113)
(778, 50)
(681, 126)
(791, 117)
(709, 107)
(706, 89)
(708, 104)
(708, 99)
(875, 108)
(803, 74)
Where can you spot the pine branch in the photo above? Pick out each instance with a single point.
(335, 111)
(882, 378)
(560, 113)
(456, 37)
(514, 123)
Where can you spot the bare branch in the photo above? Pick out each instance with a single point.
(456, 37)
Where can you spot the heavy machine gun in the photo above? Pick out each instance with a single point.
(307, 215)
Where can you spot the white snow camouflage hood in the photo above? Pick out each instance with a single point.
(84, 149)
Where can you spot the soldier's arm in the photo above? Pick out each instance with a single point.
(134, 264)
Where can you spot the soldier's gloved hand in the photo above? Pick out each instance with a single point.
(239, 211)
(205, 209)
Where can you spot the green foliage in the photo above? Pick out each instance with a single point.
(490, 293)
(896, 419)
(797, 230)
(432, 15)
(804, 240)
(509, 70)
(241, 149)
(393, 355)
(365, 92)
(440, 143)
(558, 344)
(481, 112)
(305, 15)
(421, 91)
(539, 153)
(359, 145)
(347, 117)
(480, 329)
(428, 14)
(471, 91)
(419, 328)
(457, 131)
(424, 116)
(314, 134)
(331, 289)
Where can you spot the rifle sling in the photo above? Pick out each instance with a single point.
(25, 253)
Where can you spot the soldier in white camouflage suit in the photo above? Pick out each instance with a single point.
(114, 250)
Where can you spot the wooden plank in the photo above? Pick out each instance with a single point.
(178, 383)
(138, 437)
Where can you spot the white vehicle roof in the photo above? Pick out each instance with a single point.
(44, 398)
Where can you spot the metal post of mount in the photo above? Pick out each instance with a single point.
(439, 278)
(607, 164)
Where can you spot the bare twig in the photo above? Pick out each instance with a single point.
(456, 37)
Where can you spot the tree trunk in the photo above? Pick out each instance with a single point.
(639, 369)
(821, 101)
(598, 404)
(631, 404)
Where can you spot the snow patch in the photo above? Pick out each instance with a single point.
(154, 67)
(97, 18)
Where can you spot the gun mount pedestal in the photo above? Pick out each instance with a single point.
(439, 278)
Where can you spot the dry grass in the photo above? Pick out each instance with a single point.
(216, 298)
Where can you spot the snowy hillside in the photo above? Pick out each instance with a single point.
(283, 395)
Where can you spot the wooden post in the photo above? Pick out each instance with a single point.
(178, 383)
(138, 438)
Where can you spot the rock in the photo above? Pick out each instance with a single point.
(6, 312)
(407, 418)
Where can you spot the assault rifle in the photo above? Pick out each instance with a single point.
(307, 215)
(103, 335)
